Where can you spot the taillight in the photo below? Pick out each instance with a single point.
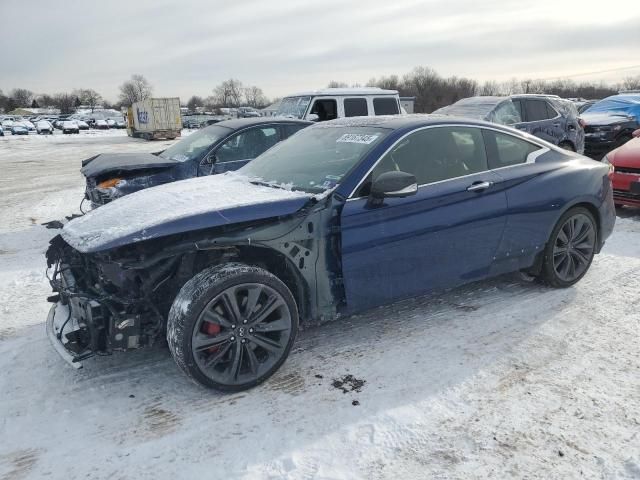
(581, 122)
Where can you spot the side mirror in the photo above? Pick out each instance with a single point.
(312, 117)
(210, 159)
(394, 185)
(636, 133)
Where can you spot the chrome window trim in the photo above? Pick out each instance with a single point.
(530, 158)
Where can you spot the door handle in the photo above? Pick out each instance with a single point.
(479, 186)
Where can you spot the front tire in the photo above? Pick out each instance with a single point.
(570, 249)
(232, 326)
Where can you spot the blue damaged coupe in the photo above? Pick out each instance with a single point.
(342, 217)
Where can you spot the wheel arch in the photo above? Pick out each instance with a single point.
(267, 258)
(582, 203)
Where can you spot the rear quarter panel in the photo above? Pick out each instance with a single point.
(538, 194)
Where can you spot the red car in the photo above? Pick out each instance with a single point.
(626, 172)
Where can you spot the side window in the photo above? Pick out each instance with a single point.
(507, 114)
(247, 144)
(536, 110)
(288, 130)
(518, 105)
(551, 113)
(505, 150)
(326, 109)
(433, 155)
(355, 107)
(385, 106)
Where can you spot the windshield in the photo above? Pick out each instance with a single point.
(293, 106)
(315, 159)
(195, 145)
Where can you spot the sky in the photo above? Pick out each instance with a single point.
(187, 47)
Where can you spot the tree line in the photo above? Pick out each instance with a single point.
(430, 89)
(230, 93)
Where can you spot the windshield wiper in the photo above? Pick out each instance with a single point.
(267, 184)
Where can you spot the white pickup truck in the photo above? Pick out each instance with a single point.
(331, 103)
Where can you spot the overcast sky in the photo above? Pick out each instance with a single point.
(283, 46)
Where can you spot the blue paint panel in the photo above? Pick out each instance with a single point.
(442, 236)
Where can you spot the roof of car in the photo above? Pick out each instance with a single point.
(345, 91)
(395, 122)
(245, 122)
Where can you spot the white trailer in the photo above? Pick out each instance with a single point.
(155, 118)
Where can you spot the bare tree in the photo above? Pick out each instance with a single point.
(46, 100)
(490, 88)
(392, 82)
(90, 98)
(254, 97)
(65, 102)
(336, 84)
(134, 90)
(631, 83)
(22, 97)
(229, 93)
(194, 102)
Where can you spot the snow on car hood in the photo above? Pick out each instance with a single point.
(111, 162)
(177, 207)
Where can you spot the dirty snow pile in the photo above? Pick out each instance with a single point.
(499, 379)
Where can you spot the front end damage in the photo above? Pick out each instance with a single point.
(102, 304)
(119, 299)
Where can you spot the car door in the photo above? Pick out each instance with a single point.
(542, 120)
(444, 235)
(244, 146)
(531, 205)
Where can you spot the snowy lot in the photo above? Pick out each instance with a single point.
(500, 379)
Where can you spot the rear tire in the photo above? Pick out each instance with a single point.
(570, 249)
(232, 326)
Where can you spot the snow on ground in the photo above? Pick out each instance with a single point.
(499, 379)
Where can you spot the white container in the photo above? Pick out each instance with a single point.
(155, 118)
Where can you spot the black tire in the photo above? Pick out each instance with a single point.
(570, 249)
(567, 146)
(227, 351)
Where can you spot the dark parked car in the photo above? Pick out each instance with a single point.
(221, 147)
(609, 123)
(342, 217)
(247, 112)
(546, 116)
(69, 126)
(18, 129)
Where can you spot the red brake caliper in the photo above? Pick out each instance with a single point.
(211, 329)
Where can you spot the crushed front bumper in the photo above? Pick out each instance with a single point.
(58, 320)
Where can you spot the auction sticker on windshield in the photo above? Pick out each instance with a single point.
(357, 138)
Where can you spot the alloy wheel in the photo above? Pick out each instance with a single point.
(241, 333)
(574, 247)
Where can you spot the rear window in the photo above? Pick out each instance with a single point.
(385, 106)
(537, 110)
(551, 113)
(505, 150)
(355, 107)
